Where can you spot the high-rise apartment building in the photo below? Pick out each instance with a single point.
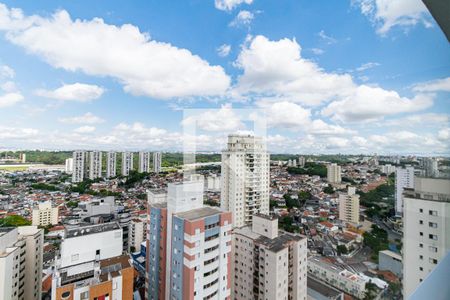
(78, 166)
(21, 263)
(245, 178)
(404, 178)
(301, 161)
(268, 264)
(111, 163)
(334, 173)
(188, 245)
(69, 166)
(44, 214)
(136, 234)
(127, 163)
(144, 162)
(349, 206)
(157, 162)
(430, 167)
(95, 165)
(91, 265)
(426, 233)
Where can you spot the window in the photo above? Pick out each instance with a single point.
(432, 224)
(420, 268)
(421, 245)
(433, 237)
(433, 261)
(420, 256)
(421, 233)
(433, 212)
(420, 222)
(432, 249)
(421, 210)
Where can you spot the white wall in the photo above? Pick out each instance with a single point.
(109, 243)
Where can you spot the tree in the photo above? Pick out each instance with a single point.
(273, 204)
(329, 189)
(290, 203)
(341, 249)
(14, 221)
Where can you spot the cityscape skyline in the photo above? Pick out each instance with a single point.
(346, 89)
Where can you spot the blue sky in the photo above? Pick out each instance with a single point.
(359, 76)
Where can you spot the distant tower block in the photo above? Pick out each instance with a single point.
(157, 162)
(78, 166)
(144, 162)
(127, 163)
(95, 165)
(111, 163)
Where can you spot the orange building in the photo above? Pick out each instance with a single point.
(106, 279)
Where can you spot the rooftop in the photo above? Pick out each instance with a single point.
(274, 245)
(91, 229)
(322, 289)
(199, 213)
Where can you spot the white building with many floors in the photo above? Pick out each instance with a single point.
(426, 233)
(245, 178)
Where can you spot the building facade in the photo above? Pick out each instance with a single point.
(245, 178)
(188, 246)
(95, 165)
(78, 166)
(69, 166)
(426, 239)
(21, 251)
(44, 214)
(157, 159)
(144, 162)
(136, 234)
(404, 178)
(301, 161)
(349, 206)
(268, 264)
(334, 173)
(127, 163)
(111, 164)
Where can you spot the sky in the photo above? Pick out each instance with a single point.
(357, 76)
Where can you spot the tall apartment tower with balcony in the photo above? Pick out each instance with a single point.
(245, 178)
(157, 162)
(144, 162)
(21, 251)
(268, 264)
(78, 166)
(188, 245)
(111, 164)
(426, 233)
(334, 173)
(404, 178)
(44, 214)
(95, 165)
(127, 163)
(349, 206)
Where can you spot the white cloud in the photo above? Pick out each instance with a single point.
(317, 51)
(87, 118)
(444, 134)
(288, 115)
(372, 103)
(230, 4)
(276, 68)
(438, 85)
(13, 133)
(84, 129)
(6, 72)
(386, 14)
(326, 38)
(224, 50)
(423, 120)
(224, 119)
(73, 92)
(10, 99)
(243, 18)
(367, 66)
(144, 66)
